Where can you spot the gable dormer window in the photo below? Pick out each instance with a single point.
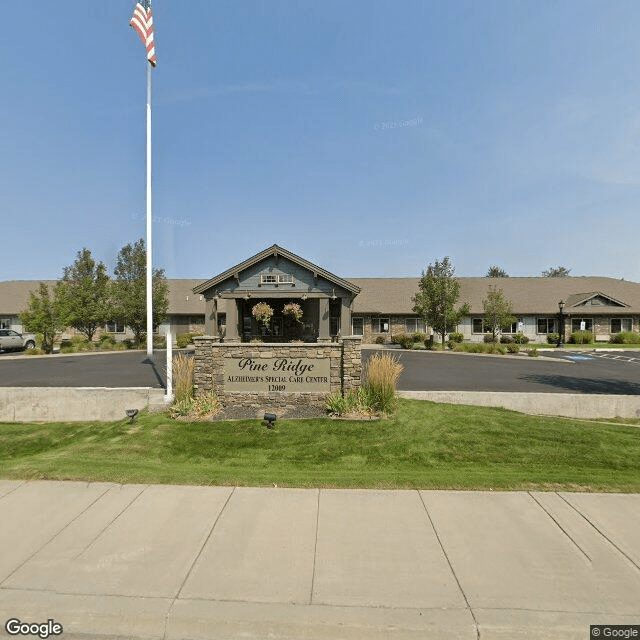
(280, 278)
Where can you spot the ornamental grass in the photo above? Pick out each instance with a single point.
(183, 367)
(380, 379)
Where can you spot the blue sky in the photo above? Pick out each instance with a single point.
(370, 137)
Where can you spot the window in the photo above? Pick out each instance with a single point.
(273, 278)
(5, 323)
(547, 325)
(357, 326)
(516, 327)
(621, 324)
(477, 325)
(380, 325)
(115, 327)
(414, 325)
(577, 324)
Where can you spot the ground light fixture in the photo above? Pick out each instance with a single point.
(131, 413)
(270, 418)
(560, 344)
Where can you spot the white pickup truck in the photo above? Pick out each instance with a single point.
(11, 340)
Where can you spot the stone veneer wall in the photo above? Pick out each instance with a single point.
(345, 369)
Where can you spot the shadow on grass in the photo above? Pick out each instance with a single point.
(585, 385)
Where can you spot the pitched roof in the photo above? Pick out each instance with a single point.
(276, 250)
(394, 296)
(182, 299)
(527, 295)
(14, 294)
(541, 295)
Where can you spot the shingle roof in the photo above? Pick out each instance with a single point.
(541, 295)
(182, 300)
(527, 295)
(14, 294)
(394, 296)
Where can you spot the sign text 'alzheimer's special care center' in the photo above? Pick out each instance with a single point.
(260, 375)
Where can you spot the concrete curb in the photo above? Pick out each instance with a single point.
(75, 404)
(569, 405)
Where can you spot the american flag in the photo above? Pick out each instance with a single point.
(142, 22)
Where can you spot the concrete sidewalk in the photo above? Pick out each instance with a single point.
(180, 562)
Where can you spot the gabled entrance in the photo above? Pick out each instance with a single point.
(256, 294)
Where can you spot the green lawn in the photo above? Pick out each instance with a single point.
(425, 445)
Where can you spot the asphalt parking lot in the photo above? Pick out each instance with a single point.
(553, 372)
(565, 372)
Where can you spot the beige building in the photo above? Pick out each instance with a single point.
(374, 308)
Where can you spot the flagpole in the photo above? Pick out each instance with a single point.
(149, 218)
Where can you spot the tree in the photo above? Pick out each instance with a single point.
(129, 290)
(46, 314)
(496, 272)
(86, 294)
(497, 312)
(436, 299)
(556, 272)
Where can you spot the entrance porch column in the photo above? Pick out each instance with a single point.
(345, 317)
(324, 332)
(211, 317)
(232, 322)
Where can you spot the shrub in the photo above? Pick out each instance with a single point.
(198, 408)
(78, 340)
(404, 340)
(488, 338)
(456, 337)
(496, 348)
(107, 338)
(183, 339)
(379, 340)
(626, 337)
(520, 338)
(418, 336)
(67, 349)
(514, 347)
(65, 343)
(380, 376)
(34, 352)
(553, 338)
(470, 347)
(581, 337)
(399, 338)
(533, 352)
(506, 339)
(336, 404)
(160, 342)
(419, 346)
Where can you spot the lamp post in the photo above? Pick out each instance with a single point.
(560, 344)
